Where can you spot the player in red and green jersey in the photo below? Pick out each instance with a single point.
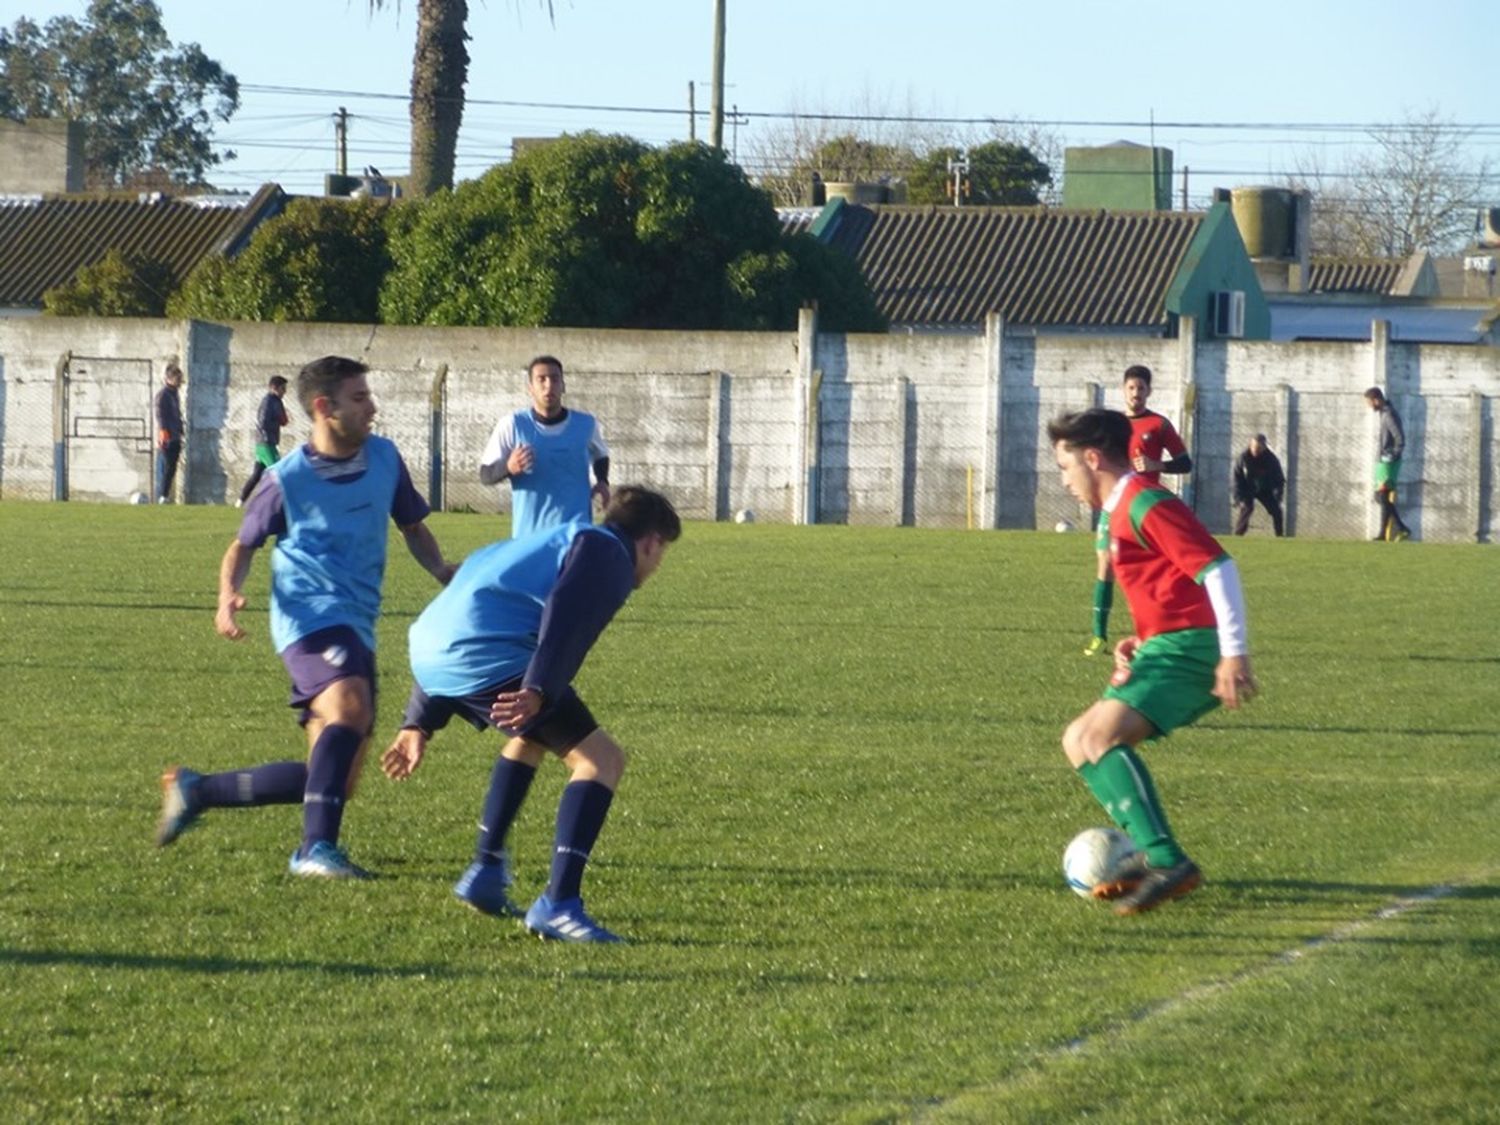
(1155, 448)
(1189, 654)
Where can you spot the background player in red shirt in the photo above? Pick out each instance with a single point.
(1190, 652)
(1155, 448)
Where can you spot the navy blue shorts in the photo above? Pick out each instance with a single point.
(562, 725)
(323, 658)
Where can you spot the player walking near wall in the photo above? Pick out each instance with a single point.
(546, 452)
(500, 647)
(269, 419)
(1155, 448)
(1190, 652)
(1392, 444)
(326, 505)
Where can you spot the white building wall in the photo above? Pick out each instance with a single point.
(932, 430)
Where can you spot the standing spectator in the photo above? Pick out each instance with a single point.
(1155, 448)
(327, 506)
(1258, 476)
(168, 409)
(546, 452)
(268, 422)
(1392, 444)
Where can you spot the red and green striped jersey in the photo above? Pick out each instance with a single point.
(1153, 436)
(1160, 553)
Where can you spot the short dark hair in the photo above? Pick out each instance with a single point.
(1375, 394)
(321, 378)
(277, 382)
(639, 512)
(1137, 371)
(1108, 431)
(551, 359)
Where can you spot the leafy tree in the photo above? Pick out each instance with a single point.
(147, 103)
(322, 259)
(116, 285)
(1000, 174)
(439, 73)
(604, 231)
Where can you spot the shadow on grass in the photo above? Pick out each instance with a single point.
(216, 965)
(1301, 728)
(1310, 890)
(1455, 659)
(548, 968)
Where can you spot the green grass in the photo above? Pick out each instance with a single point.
(836, 851)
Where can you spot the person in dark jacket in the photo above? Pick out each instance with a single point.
(168, 409)
(1392, 444)
(1258, 476)
(268, 422)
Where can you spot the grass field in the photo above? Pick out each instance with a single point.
(835, 852)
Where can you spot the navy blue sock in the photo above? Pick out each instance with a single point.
(328, 768)
(580, 815)
(509, 783)
(278, 783)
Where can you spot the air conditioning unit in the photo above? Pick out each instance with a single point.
(1229, 314)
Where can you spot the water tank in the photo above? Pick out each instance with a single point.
(1265, 216)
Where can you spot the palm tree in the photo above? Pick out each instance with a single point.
(439, 72)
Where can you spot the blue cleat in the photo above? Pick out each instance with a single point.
(179, 804)
(565, 921)
(483, 887)
(325, 861)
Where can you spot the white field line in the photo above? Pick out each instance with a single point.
(1033, 1071)
(1199, 992)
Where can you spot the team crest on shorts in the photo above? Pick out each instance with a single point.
(335, 656)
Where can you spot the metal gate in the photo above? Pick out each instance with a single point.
(109, 434)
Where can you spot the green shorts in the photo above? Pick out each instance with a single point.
(1386, 473)
(1172, 678)
(265, 454)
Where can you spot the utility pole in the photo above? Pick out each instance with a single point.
(692, 112)
(716, 105)
(958, 168)
(341, 141)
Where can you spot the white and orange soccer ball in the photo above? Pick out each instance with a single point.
(1099, 857)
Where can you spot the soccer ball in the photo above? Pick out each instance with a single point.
(1099, 855)
(138, 498)
(744, 515)
(1063, 525)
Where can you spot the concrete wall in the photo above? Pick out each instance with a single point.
(942, 430)
(41, 156)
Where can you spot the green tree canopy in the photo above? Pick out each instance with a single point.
(148, 105)
(116, 285)
(1000, 174)
(605, 231)
(322, 259)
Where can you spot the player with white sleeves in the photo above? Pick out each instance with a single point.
(1190, 652)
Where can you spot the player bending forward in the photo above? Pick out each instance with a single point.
(1189, 653)
(500, 647)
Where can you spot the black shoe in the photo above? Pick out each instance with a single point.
(1160, 884)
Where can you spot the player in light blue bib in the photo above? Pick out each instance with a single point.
(546, 452)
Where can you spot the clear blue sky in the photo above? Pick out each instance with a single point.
(1110, 64)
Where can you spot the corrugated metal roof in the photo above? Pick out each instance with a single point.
(1353, 275)
(954, 265)
(45, 240)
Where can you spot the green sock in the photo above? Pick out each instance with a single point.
(1104, 598)
(1121, 783)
